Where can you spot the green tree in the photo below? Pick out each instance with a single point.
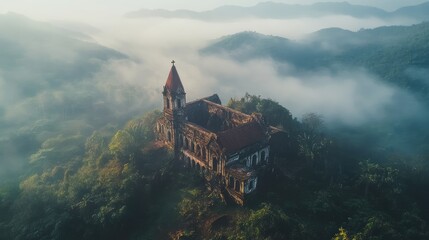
(142, 129)
(378, 228)
(312, 144)
(383, 179)
(341, 235)
(268, 222)
(58, 150)
(194, 206)
(274, 113)
(123, 145)
(94, 146)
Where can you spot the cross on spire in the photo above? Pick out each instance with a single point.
(173, 83)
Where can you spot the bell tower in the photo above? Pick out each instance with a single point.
(174, 114)
(174, 96)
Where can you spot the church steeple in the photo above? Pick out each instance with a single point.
(174, 94)
(174, 84)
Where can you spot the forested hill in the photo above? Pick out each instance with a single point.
(54, 82)
(118, 183)
(397, 54)
(47, 72)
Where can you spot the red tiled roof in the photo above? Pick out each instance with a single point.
(239, 137)
(173, 81)
(213, 98)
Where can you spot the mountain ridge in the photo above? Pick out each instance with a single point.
(276, 10)
(393, 53)
(45, 65)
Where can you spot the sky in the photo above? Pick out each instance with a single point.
(86, 9)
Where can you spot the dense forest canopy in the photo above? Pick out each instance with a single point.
(118, 182)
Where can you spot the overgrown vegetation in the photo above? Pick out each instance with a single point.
(118, 184)
(84, 188)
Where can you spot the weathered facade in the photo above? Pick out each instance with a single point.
(219, 141)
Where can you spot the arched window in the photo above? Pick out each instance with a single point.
(169, 136)
(215, 164)
(204, 154)
(179, 103)
(231, 182)
(192, 147)
(251, 184)
(262, 156)
(237, 186)
(186, 143)
(198, 150)
(254, 160)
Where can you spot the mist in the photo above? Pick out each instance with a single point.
(114, 69)
(340, 94)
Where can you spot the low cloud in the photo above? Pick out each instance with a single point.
(341, 94)
(420, 75)
(67, 85)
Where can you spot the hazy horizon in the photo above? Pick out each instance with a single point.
(152, 43)
(81, 10)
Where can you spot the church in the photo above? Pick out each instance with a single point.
(226, 144)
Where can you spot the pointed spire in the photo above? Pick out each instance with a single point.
(173, 83)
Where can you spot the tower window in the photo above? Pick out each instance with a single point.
(231, 182)
(251, 184)
(254, 160)
(215, 164)
(237, 186)
(168, 103)
(179, 105)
